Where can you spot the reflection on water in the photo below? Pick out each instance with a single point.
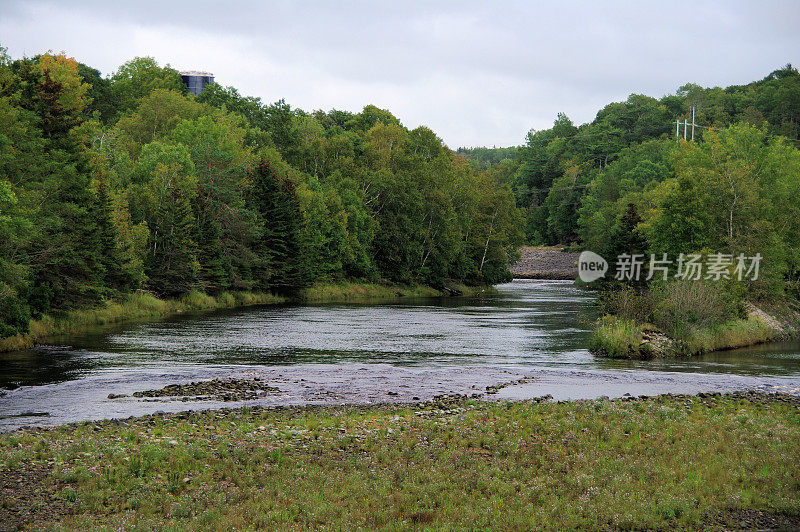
(536, 323)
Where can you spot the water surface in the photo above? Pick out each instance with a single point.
(537, 329)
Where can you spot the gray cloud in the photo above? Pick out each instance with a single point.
(478, 73)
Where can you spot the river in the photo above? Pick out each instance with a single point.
(534, 331)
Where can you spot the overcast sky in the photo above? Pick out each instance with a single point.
(477, 73)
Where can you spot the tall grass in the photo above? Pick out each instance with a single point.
(347, 291)
(729, 335)
(134, 307)
(616, 337)
(693, 317)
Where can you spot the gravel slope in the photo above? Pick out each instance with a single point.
(546, 263)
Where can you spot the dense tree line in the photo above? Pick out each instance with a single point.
(731, 190)
(115, 184)
(628, 144)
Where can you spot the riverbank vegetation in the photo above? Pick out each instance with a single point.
(144, 306)
(625, 183)
(130, 308)
(658, 463)
(359, 292)
(620, 337)
(731, 197)
(682, 318)
(109, 185)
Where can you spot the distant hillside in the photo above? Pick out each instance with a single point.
(485, 157)
(570, 179)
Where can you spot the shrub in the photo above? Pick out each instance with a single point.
(616, 337)
(683, 306)
(630, 303)
(14, 317)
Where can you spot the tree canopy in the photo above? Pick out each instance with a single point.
(109, 185)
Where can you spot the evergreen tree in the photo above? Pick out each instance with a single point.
(627, 240)
(279, 266)
(66, 267)
(171, 264)
(214, 274)
(117, 274)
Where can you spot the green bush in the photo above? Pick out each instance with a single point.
(630, 303)
(616, 337)
(682, 306)
(15, 317)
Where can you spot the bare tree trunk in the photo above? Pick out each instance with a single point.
(488, 238)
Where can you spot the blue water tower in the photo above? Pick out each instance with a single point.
(196, 81)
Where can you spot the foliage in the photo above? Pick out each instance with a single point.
(109, 185)
(138, 78)
(280, 266)
(625, 152)
(112, 184)
(616, 337)
(171, 264)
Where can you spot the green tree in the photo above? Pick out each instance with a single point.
(279, 265)
(154, 118)
(214, 272)
(172, 253)
(138, 78)
(119, 272)
(626, 243)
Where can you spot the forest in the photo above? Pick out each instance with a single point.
(636, 180)
(732, 186)
(575, 181)
(126, 183)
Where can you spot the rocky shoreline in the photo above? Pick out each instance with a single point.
(214, 390)
(546, 263)
(438, 405)
(356, 385)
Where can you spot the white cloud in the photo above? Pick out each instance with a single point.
(478, 73)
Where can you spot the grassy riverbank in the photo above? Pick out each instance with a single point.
(130, 309)
(667, 462)
(685, 319)
(142, 307)
(356, 292)
(619, 337)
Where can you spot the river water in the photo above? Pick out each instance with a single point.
(336, 353)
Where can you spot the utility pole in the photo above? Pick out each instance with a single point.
(677, 129)
(685, 127)
(693, 123)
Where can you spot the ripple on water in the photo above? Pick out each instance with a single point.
(528, 324)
